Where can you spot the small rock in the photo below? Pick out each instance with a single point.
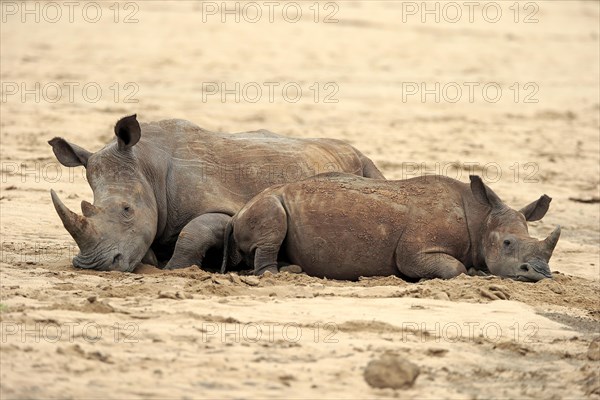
(235, 278)
(92, 298)
(391, 371)
(440, 296)
(250, 280)
(594, 350)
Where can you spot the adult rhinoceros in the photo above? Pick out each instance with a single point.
(169, 188)
(341, 226)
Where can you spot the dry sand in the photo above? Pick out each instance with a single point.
(190, 334)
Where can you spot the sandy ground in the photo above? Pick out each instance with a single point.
(189, 334)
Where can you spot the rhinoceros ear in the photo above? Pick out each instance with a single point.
(536, 210)
(128, 131)
(68, 154)
(484, 194)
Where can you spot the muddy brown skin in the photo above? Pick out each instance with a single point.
(342, 227)
(164, 191)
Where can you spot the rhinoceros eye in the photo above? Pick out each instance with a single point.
(126, 210)
(507, 243)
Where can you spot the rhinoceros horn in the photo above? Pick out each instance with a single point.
(78, 226)
(551, 240)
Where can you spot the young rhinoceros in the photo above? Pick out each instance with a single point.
(340, 226)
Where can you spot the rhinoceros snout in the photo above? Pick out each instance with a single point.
(534, 271)
(79, 263)
(117, 263)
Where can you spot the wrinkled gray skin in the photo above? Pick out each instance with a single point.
(342, 227)
(157, 180)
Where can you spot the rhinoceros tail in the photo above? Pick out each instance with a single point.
(231, 254)
(370, 170)
(226, 239)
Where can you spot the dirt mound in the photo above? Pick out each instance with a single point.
(563, 290)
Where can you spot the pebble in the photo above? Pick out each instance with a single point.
(391, 371)
(250, 280)
(441, 296)
(235, 278)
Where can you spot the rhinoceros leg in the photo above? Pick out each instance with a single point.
(265, 259)
(150, 258)
(262, 227)
(433, 265)
(199, 235)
